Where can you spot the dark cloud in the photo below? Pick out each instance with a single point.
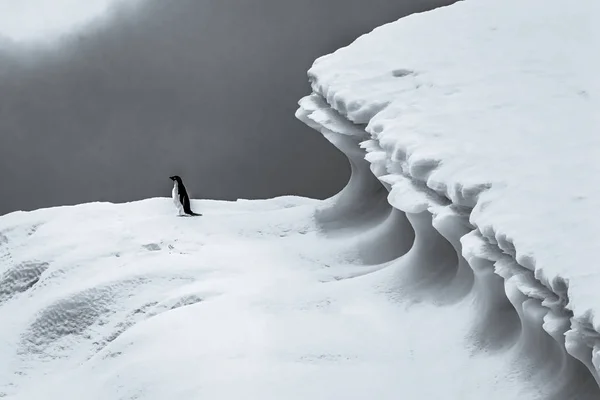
(205, 89)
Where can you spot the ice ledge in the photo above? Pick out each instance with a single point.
(485, 109)
(519, 311)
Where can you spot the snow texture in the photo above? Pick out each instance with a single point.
(284, 298)
(486, 112)
(457, 263)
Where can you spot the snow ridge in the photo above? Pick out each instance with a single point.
(451, 259)
(482, 117)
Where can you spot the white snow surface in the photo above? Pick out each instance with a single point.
(255, 299)
(493, 105)
(252, 300)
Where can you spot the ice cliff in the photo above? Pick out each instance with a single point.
(481, 122)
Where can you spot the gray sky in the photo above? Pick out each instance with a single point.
(206, 89)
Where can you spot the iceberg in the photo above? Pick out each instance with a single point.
(457, 262)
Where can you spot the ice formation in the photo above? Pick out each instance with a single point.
(480, 121)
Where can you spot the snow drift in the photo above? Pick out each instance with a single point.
(457, 263)
(480, 121)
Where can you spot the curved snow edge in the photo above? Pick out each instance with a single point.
(542, 305)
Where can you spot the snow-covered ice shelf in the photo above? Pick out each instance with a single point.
(484, 117)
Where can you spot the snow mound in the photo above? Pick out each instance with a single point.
(483, 116)
(284, 298)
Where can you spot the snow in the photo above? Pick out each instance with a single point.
(490, 106)
(254, 299)
(457, 263)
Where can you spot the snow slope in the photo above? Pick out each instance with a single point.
(282, 298)
(487, 112)
(254, 299)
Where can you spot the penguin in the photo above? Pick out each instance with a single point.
(181, 198)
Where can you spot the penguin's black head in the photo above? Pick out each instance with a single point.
(175, 178)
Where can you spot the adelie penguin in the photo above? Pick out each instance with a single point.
(181, 198)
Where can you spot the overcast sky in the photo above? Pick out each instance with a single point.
(206, 89)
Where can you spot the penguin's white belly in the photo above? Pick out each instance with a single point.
(176, 201)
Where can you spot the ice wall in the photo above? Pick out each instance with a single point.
(476, 122)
